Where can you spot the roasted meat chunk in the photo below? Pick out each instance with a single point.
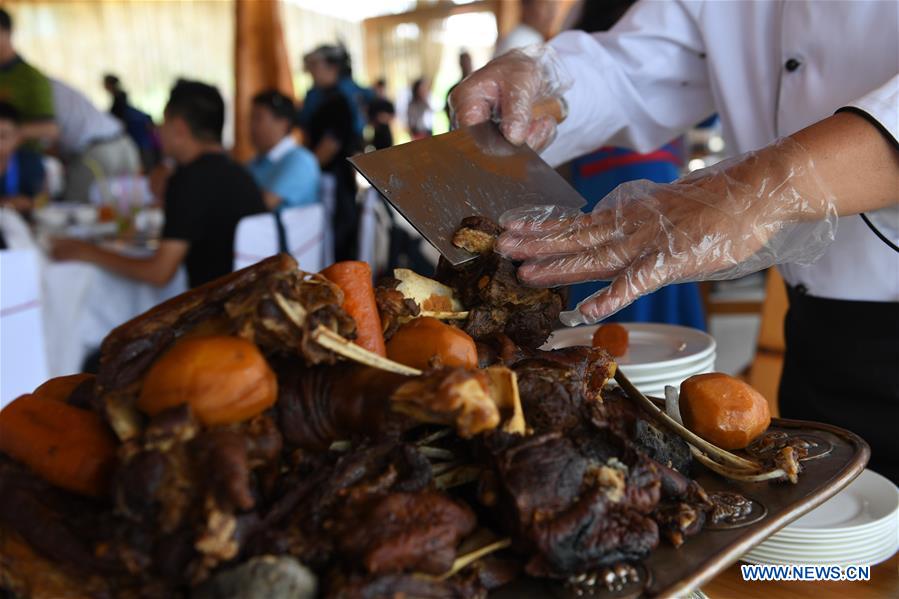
(558, 387)
(393, 307)
(404, 532)
(189, 485)
(401, 586)
(576, 501)
(477, 234)
(489, 289)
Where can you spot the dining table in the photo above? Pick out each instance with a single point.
(81, 302)
(729, 584)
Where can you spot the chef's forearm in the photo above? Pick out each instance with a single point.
(856, 161)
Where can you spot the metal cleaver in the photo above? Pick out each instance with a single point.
(437, 181)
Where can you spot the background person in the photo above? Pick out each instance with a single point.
(21, 169)
(419, 114)
(331, 135)
(138, 124)
(287, 172)
(357, 96)
(380, 114)
(205, 198)
(465, 69)
(92, 144)
(26, 88)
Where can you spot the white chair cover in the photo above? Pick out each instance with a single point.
(256, 237)
(23, 359)
(374, 231)
(329, 201)
(306, 228)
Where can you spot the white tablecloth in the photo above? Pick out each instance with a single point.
(83, 302)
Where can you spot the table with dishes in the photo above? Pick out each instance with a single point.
(81, 302)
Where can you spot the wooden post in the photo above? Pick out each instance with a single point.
(260, 62)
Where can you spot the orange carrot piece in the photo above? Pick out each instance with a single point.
(69, 447)
(354, 278)
(613, 338)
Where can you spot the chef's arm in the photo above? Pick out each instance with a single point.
(773, 206)
(855, 159)
(638, 86)
(157, 269)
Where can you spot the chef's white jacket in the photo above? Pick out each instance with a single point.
(769, 69)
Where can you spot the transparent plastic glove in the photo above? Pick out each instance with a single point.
(507, 89)
(737, 217)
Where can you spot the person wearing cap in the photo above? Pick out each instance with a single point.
(288, 173)
(814, 190)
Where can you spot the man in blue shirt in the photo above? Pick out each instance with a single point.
(287, 172)
(21, 170)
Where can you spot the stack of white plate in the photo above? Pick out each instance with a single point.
(657, 355)
(859, 526)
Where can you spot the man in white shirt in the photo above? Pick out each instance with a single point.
(536, 19)
(92, 143)
(825, 74)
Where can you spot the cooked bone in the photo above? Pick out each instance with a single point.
(725, 457)
(473, 401)
(349, 350)
(429, 294)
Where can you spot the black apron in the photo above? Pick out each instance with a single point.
(842, 367)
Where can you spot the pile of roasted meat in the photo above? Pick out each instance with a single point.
(235, 439)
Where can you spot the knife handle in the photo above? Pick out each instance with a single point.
(556, 108)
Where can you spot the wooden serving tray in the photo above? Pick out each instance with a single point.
(670, 572)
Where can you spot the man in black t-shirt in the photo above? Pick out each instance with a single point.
(204, 199)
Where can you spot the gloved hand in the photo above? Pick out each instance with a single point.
(507, 89)
(723, 222)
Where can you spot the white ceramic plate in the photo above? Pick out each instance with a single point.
(835, 549)
(875, 556)
(669, 374)
(867, 501)
(651, 346)
(866, 560)
(855, 533)
(883, 547)
(866, 538)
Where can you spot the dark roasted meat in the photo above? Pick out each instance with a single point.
(189, 486)
(317, 406)
(404, 532)
(477, 235)
(497, 302)
(559, 387)
(575, 502)
(393, 307)
(404, 586)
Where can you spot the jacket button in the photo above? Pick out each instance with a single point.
(792, 64)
